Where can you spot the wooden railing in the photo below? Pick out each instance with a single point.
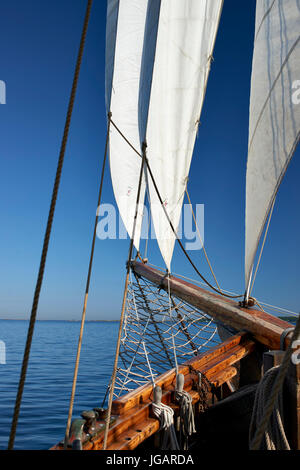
(134, 421)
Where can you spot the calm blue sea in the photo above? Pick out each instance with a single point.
(49, 378)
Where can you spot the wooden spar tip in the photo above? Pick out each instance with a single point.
(265, 328)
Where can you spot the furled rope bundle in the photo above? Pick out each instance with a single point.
(165, 414)
(187, 423)
(274, 436)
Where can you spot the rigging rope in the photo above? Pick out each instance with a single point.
(180, 243)
(199, 235)
(139, 343)
(113, 380)
(149, 224)
(153, 321)
(192, 330)
(262, 247)
(183, 327)
(86, 291)
(271, 307)
(48, 232)
(170, 223)
(170, 314)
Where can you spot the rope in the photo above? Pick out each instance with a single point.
(187, 422)
(199, 235)
(183, 328)
(86, 292)
(149, 224)
(149, 366)
(192, 331)
(284, 335)
(274, 437)
(165, 414)
(144, 347)
(179, 241)
(271, 307)
(48, 232)
(124, 302)
(170, 313)
(105, 395)
(273, 396)
(262, 247)
(153, 321)
(170, 223)
(279, 309)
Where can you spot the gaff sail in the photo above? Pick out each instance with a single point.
(178, 45)
(274, 121)
(124, 44)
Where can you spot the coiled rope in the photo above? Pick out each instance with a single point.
(274, 437)
(165, 414)
(48, 232)
(272, 398)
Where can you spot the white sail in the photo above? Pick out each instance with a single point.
(274, 113)
(179, 40)
(124, 44)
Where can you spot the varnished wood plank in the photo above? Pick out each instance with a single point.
(237, 353)
(137, 415)
(224, 376)
(142, 394)
(132, 438)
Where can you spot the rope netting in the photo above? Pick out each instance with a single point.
(159, 331)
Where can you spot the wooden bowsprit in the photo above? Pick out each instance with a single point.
(265, 328)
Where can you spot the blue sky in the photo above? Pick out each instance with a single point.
(38, 48)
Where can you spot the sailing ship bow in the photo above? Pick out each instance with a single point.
(124, 45)
(178, 45)
(274, 121)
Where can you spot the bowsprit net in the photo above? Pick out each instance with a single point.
(150, 331)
